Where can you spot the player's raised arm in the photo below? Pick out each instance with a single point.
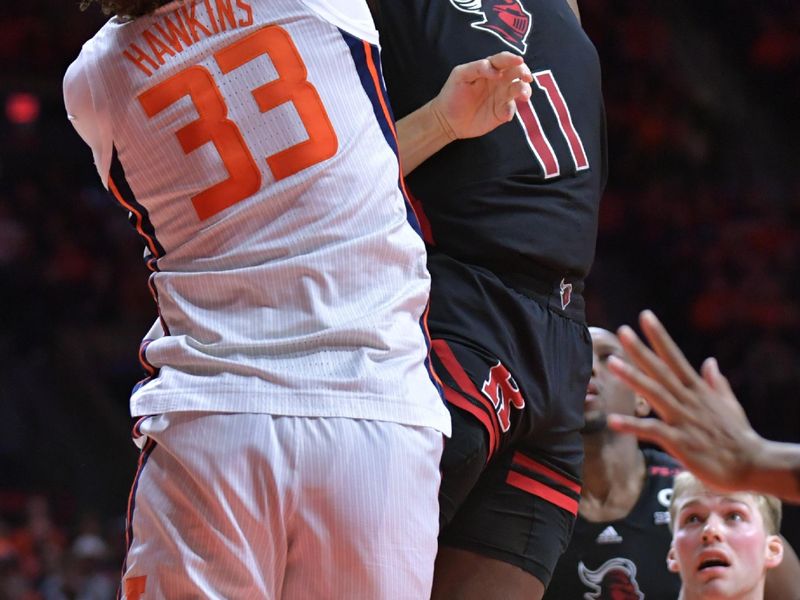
(477, 97)
(702, 422)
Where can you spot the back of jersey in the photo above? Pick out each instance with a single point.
(251, 143)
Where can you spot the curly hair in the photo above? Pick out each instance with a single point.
(125, 8)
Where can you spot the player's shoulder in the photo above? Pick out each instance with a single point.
(661, 463)
(93, 48)
(352, 16)
(78, 76)
(652, 511)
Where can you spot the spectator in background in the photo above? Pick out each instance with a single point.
(85, 572)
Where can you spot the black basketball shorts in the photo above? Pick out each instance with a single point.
(514, 357)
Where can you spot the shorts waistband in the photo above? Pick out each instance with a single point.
(564, 294)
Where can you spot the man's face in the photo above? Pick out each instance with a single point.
(720, 547)
(606, 393)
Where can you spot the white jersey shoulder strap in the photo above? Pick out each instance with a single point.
(351, 15)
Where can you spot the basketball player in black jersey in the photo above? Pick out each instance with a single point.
(510, 219)
(622, 536)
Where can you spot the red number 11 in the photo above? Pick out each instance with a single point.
(535, 136)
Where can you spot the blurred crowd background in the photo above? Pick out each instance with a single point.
(700, 221)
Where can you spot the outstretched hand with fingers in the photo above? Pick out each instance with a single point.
(702, 423)
(479, 96)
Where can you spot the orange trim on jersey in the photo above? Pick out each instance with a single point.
(150, 369)
(376, 81)
(450, 362)
(135, 432)
(537, 467)
(145, 453)
(139, 218)
(526, 484)
(151, 285)
(456, 399)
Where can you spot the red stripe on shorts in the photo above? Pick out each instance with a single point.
(456, 399)
(537, 488)
(450, 362)
(537, 467)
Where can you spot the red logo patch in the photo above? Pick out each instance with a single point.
(506, 19)
(504, 393)
(566, 293)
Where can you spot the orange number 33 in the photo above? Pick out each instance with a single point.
(213, 124)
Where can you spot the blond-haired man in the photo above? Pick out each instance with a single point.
(723, 543)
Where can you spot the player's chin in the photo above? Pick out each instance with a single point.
(594, 422)
(717, 588)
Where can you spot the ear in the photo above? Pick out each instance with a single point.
(672, 560)
(641, 407)
(774, 551)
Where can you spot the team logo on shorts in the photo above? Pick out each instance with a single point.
(566, 293)
(506, 19)
(504, 393)
(614, 580)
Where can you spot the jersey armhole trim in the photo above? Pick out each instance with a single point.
(356, 19)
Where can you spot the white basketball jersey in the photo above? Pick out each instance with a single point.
(251, 142)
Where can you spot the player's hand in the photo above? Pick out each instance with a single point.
(479, 96)
(702, 423)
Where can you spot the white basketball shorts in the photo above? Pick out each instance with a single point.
(255, 506)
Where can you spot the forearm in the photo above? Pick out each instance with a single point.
(420, 135)
(776, 470)
(476, 98)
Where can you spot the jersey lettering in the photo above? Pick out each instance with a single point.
(290, 86)
(244, 178)
(214, 126)
(534, 134)
(502, 390)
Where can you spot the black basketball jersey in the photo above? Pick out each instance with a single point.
(625, 559)
(523, 198)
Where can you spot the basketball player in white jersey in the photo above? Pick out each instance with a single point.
(290, 425)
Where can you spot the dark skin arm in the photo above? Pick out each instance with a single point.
(702, 423)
